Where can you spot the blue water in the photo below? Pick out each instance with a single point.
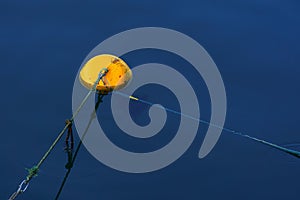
(255, 45)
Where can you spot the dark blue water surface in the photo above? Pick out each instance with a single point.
(255, 45)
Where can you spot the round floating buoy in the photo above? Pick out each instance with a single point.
(117, 76)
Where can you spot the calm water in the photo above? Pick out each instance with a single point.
(255, 45)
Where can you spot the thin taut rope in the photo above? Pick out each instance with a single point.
(228, 130)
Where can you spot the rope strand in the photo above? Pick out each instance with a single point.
(93, 115)
(32, 172)
(275, 146)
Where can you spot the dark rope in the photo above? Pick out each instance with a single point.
(71, 161)
(69, 137)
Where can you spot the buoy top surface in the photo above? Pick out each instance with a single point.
(117, 77)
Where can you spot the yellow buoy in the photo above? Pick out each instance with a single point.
(117, 76)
